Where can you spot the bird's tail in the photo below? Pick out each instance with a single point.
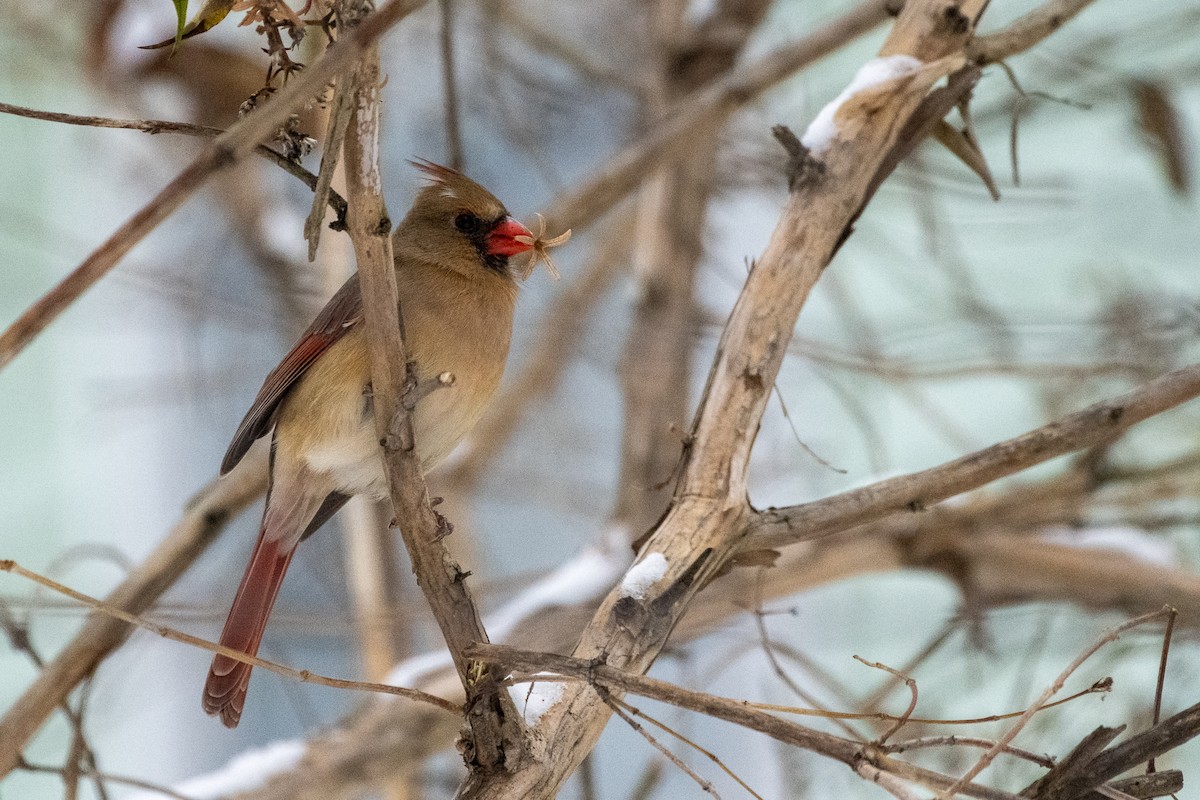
(225, 689)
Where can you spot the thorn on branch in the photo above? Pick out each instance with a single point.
(801, 166)
(444, 528)
(415, 391)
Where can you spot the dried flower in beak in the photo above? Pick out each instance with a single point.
(540, 252)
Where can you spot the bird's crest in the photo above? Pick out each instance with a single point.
(445, 177)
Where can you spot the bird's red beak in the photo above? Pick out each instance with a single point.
(502, 241)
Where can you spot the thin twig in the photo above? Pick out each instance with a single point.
(302, 675)
(611, 702)
(1162, 675)
(932, 646)
(1100, 687)
(711, 756)
(912, 705)
(92, 772)
(769, 650)
(156, 126)
(987, 758)
(968, 741)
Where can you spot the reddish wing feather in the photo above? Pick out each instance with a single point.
(340, 314)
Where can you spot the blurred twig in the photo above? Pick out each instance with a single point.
(155, 126)
(302, 675)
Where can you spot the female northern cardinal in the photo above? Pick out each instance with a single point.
(457, 294)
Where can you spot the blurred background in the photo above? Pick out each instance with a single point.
(946, 323)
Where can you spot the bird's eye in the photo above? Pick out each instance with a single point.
(468, 223)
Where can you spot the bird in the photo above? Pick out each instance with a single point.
(457, 292)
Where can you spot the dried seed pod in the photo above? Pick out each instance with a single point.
(540, 254)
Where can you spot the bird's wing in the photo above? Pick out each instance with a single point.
(340, 314)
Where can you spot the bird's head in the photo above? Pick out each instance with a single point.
(458, 225)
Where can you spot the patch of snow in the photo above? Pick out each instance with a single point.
(643, 575)
(409, 672)
(536, 699)
(823, 130)
(1132, 542)
(245, 772)
(588, 575)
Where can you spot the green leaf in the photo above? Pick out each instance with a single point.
(212, 12)
(181, 21)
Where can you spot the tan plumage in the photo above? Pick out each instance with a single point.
(457, 294)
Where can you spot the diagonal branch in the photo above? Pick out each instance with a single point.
(698, 534)
(157, 126)
(1094, 425)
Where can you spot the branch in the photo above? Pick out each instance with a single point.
(489, 712)
(302, 675)
(736, 711)
(917, 491)
(1025, 32)
(156, 126)
(224, 151)
(995, 533)
(1047, 693)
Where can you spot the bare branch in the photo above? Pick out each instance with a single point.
(489, 711)
(918, 491)
(1025, 32)
(302, 675)
(155, 126)
(1050, 691)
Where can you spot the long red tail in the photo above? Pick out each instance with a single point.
(225, 689)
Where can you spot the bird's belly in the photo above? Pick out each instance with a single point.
(349, 453)
(352, 461)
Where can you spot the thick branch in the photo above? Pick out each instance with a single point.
(699, 532)
(915, 492)
(1025, 32)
